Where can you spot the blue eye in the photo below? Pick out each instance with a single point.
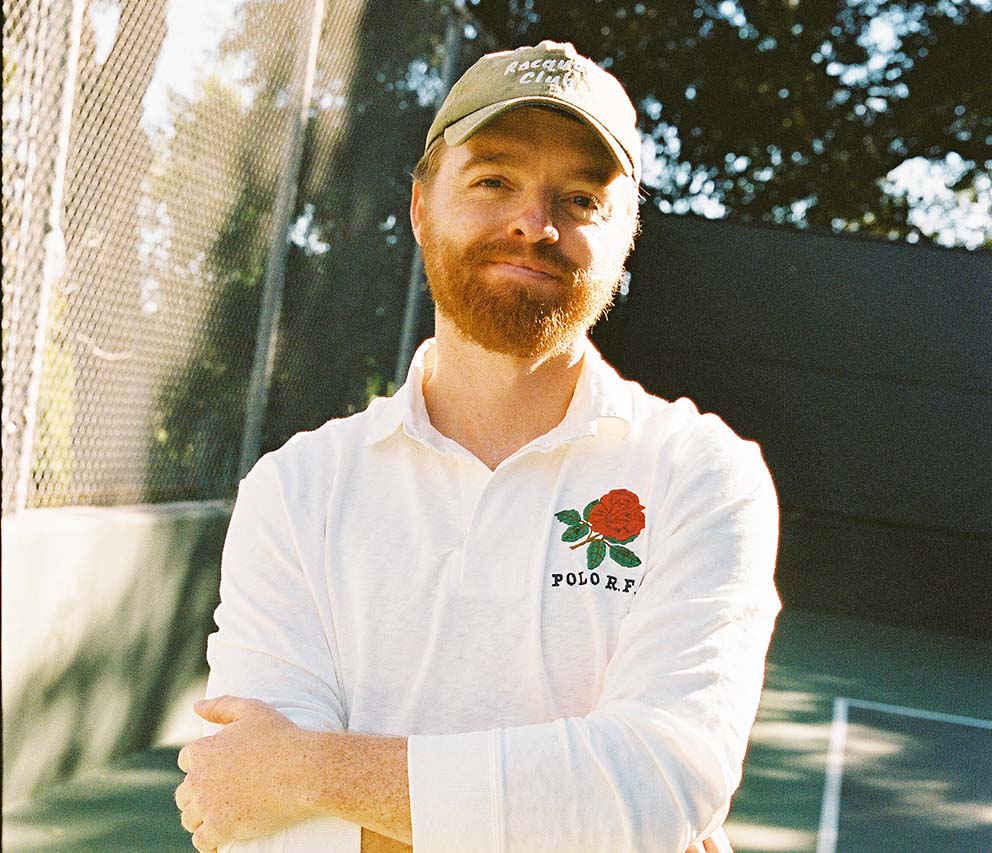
(585, 205)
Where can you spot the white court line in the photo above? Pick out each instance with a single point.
(826, 837)
(919, 713)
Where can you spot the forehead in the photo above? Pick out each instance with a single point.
(530, 135)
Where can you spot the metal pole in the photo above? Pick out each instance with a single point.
(54, 256)
(452, 50)
(275, 265)
(14, 275)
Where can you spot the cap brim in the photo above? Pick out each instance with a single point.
(457, 132)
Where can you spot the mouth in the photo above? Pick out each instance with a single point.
(525, 270)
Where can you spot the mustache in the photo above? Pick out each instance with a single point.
(542, 256)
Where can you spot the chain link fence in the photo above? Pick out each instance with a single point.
(205, 238)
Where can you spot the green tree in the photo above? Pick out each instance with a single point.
(216, 260)
(349, 243)
(795, 111)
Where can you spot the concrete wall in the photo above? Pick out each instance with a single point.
(105, 615)
(864, 369)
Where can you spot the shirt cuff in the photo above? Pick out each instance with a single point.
(453, 792)
(320, 835)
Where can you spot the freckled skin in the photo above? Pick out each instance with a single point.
(525, 229)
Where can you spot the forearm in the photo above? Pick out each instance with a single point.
(383, 801)
(357, 780)
(262, 774)
(363, 779)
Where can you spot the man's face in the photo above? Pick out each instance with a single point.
(525, 229)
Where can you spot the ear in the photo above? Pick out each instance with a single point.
(417, 202)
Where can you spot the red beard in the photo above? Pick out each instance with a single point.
(515, 320)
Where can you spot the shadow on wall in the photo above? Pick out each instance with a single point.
(105, 619)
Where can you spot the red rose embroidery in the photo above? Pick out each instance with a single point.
(604, 527)
(618, 515)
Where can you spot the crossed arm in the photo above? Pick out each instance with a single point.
(653, 763)
(261, 773)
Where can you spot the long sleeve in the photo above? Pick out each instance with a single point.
(653, 766)
(273, 644)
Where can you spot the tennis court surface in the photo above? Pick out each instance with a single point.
(868, 739)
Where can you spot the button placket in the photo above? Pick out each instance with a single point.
(507, 540)
(472, 478)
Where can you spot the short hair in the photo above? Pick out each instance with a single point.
(429, 163)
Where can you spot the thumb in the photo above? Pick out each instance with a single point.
(224, 709)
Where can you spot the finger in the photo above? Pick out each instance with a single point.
(183, 759)
(191, 820)
(204, 840)
(183, 795)
(226, 709)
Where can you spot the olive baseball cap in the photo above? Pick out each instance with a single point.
(551, 73)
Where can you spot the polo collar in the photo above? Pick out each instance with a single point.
(602, 402)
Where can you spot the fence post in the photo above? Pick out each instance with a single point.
(53, 265)
(275, 265)
(452, 50)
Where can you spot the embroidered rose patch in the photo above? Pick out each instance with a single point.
(607, 525)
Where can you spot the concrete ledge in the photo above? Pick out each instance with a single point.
(105, 618)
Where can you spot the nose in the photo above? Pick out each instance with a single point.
(532, 220)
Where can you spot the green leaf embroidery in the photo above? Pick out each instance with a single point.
(575, 532)
(570, 517)
(588, 509)
(595, 554)
(624, 556)
(622, 541)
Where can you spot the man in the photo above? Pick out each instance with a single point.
(522, 605)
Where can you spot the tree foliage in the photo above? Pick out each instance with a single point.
(796, 111)
(349, 247)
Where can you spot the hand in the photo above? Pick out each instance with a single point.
(254, 777)
(716, 843)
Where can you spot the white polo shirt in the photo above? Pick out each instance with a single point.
(574, 642)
